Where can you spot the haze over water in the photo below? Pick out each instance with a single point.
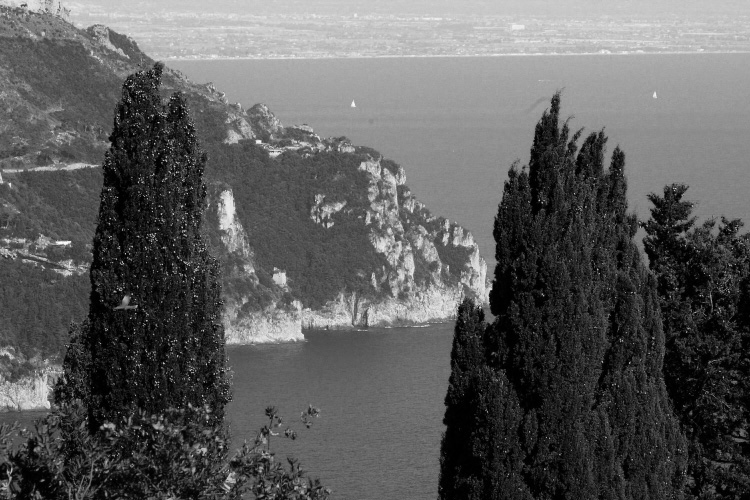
(457, 124)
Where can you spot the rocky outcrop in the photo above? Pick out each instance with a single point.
(400, 228)
(275, 322)
(238, 127)
(101, 34)
(270, 325)
(322, 211)
(29, 393)
(232, 233)
(401, 240)
(432, 304)
(262, 118)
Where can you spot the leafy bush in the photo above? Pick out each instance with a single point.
(178, 454)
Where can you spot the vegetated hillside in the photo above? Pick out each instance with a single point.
(308, 230)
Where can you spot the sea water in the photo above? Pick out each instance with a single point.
(380, 393)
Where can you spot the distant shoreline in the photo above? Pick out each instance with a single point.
(455, 56)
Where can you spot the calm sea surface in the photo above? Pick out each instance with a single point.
(456, 124)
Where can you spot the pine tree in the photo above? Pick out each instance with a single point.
(703, 273)
(577, 344)
(165, 347)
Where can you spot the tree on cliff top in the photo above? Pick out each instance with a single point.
(570, 380)
(166, 348)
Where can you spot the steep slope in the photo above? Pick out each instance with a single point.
(311, 232)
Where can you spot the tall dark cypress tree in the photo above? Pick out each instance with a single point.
(166, 348)
(577, 337)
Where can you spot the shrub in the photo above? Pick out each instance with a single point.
(178, 454)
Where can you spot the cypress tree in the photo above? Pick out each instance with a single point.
(479, 458)
(703, 274)
(165, 346)
(576, 343)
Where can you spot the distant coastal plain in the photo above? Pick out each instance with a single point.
(305, 33)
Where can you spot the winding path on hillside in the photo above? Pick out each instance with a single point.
(49, 168)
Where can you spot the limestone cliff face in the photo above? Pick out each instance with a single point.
(260, 327)
(244, 324)
(398, 229)
(233, 235)
(29, 393)
(430, 304)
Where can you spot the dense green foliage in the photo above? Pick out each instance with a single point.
(179, 454)
(59, 204)
(569, 376)
(167, 348)
(703, 276)
(84, 101)
(273, 199)
(38, 306)
(59, 87)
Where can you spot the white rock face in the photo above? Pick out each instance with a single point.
(322, 211)
(430, 305)
(29, 393)
(233, 235)
(267, 327)
(399, 247)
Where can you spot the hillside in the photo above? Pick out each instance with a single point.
(312, 232)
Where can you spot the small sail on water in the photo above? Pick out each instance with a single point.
(654, 95)
(353, 105)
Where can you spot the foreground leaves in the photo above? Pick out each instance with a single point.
(175, 455)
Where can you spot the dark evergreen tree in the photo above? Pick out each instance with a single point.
(479, 457)
(165, 347)
(703, 273)
(576, 349)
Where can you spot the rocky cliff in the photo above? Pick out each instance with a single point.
(29, 393)
(411, 284)
(311, 232)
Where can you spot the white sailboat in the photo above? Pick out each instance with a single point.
(654, 94)
(353, 105)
